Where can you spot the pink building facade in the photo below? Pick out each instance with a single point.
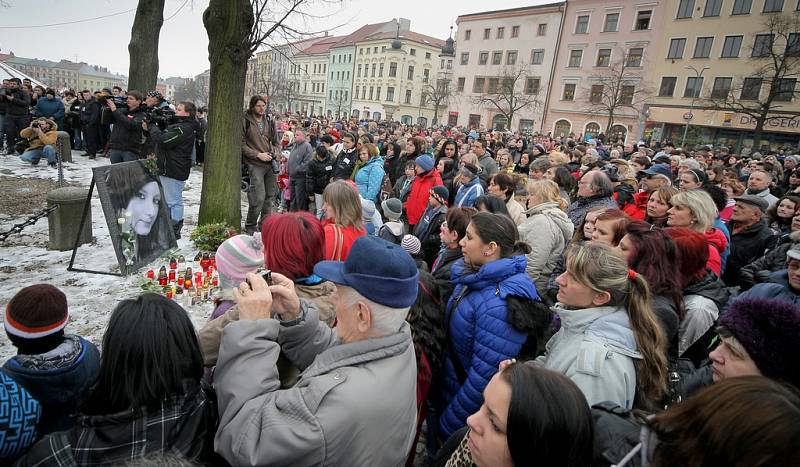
(602, 63)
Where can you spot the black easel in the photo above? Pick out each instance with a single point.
(86, 207)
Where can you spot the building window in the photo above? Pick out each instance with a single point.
(693, 86)
(532, 86)
(467, 34)
(427, 55)
(685, 9)
(751, 89)
(460, 84)
(537, 57)
(582, 24)
(483, 58)
(474, 120)
(412, 52)
(626, 94)
(501, 32)
(702, 48)
(569, 92)
(358, 72)
(492, 86)
(380, 71)
(541, 30)
(643, 20)
(477, 85)
(667, 88)
(762, 45)
(487, 33)
(676, 47)
(634, 58)
(390, 93)
(596, 94)
(773, 6)
(426, 74)
(612, 22)
(722, 87)
(793, 45)
(371, 92)
(575, 56)
(785, 89)
(410, 75)
(514, 31)
(465, 58)
(408, 96)
(497, 58)
(356, 94)
(511, 57)
(603, 57)
(374, 66)
(392, 69)
(731, 46)
(713, 7)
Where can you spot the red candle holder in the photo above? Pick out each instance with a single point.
(172, 275)
(151, 274)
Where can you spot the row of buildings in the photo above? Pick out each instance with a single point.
(65, 74)
(630, 68)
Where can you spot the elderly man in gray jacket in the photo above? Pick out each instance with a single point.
(355, 402)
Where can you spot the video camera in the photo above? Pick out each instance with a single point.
(119, 101)
(161, 116)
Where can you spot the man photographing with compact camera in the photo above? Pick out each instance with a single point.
(173, 149)
(41, 135)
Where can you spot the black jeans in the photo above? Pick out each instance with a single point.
(299, 195)
(91, 138)
(14, 124)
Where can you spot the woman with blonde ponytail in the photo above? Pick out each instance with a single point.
(610, 343)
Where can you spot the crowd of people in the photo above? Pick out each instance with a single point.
(451, 298)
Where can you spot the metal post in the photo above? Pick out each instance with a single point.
(698, 74)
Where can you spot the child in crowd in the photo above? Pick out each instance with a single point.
(394, 229)
(57, 369)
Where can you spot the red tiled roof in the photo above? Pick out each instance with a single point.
(321, 46)
(360, 34)
(407, 35)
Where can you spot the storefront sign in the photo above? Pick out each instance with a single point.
(721, 119)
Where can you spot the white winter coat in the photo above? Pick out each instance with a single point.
(548, 231)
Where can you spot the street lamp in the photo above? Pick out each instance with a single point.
(688, 117)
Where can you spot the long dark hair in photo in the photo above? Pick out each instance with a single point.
(150, 350)
(123, 182)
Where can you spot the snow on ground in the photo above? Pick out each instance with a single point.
(25, 259)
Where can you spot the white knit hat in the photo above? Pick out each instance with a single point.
(411, 244)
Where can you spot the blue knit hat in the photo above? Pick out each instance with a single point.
(392, 281)
(425, 162)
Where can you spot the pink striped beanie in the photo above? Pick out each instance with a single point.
(238, 256)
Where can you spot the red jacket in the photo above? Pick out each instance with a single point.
(420, 192)
(717, 242)
(349, 235)
(638, 209)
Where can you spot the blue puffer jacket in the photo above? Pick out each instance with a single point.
(50, 108)
(479, 333)
(60, 380)
(369, 178)
(778, 288)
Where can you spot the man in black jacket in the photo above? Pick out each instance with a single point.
(174, 156)
(17, 103)
(125, 143)
(750, 236)
(90, 124)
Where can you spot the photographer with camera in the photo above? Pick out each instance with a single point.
(17, 103)
(174, 147)
(90, 123)
(41, 135)
(125, 143)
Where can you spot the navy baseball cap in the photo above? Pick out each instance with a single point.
(659, 169)
(377, 269)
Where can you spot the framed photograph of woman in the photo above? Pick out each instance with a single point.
(136, 213)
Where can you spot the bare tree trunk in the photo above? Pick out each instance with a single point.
(143, 48)
(228, 23)
(759, 130)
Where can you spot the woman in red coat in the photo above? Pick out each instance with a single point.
(427, 178)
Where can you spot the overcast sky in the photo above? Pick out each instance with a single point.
(183, 47)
